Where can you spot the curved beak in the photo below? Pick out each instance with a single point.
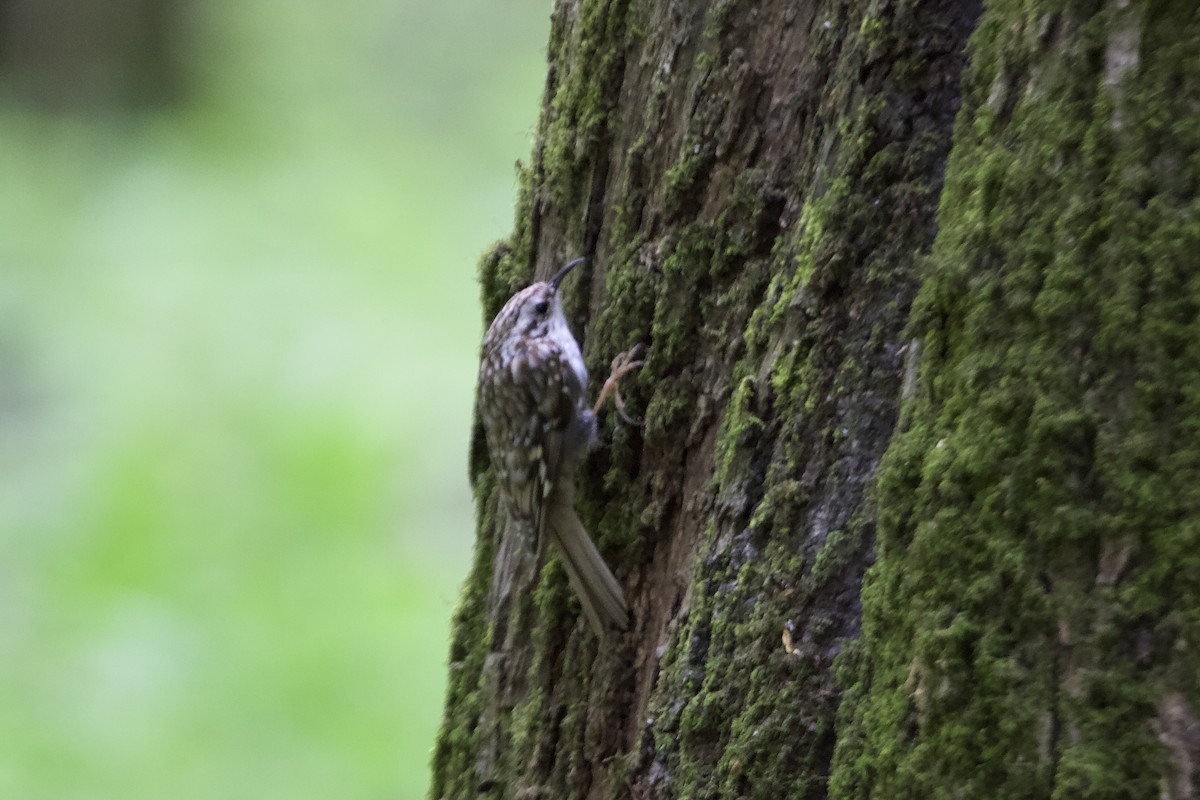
(562, 273)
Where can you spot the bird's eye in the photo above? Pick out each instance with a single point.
(541, 308)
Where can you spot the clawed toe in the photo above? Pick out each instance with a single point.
(622, 365)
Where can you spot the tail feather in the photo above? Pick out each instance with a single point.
(597, 588)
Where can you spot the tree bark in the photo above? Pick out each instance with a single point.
(756, 187)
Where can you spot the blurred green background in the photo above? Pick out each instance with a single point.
(238, 336)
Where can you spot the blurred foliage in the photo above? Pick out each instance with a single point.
(238, 341)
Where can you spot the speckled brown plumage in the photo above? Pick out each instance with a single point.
(532, 399)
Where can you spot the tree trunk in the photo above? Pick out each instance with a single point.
(756, 187)
(93, 55)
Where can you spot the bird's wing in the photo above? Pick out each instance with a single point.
(543, 396)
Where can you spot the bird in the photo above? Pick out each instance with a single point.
(532, 401)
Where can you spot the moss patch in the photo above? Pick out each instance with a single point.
(1010, 649)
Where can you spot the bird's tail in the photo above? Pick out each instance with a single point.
(595, 585)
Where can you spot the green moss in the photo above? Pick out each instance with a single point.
(528, 718)
(717, 21)
(552, 597)
(740, 427)
(499, 277)
(588, 71)
(780, 504)
(873, 32)
(1043, 433)
(686, 178)
(736, 733)
(836, 551)
(453, 762)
